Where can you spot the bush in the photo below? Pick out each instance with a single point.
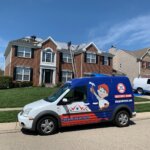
(5, 82)
(22, 84)
(59, 84)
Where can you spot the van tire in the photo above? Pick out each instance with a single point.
(47, 125)
(140, 91)
(122, 119)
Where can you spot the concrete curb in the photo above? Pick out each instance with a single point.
(15, 127)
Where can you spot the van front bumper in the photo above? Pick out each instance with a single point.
(25, 122)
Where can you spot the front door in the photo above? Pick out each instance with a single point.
(48, 76)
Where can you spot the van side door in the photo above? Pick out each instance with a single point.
(75, 110)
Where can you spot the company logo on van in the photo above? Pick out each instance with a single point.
(121, 88)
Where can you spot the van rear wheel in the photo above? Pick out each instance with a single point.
(140, 91)
(47, 125)
(122, 119)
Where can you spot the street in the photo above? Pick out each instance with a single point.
(94, 137)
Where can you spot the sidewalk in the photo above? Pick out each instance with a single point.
(11, 109)
(15, 127)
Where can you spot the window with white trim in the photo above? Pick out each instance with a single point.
(66, 75)
(87, 74)
(66, 57)
(90, 58)
(22, 74)
(106, 60)
(48, 56)
(24, 52)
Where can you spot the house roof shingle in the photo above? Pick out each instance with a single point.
(137, 53)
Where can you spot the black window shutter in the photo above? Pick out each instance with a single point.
(61, 57)
(72, 74)
(60, 76)
(32, 52)
(16, 50)
(14, 74)
(97, 59)
(84, 57)
(102, 60)
(31, 74)
(109, 61)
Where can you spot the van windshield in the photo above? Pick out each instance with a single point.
(58, 93)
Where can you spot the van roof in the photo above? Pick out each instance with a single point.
(85, 80)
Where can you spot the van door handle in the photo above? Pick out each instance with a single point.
(95, 103)
(87, 104)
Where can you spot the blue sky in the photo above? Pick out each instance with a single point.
(123, 23)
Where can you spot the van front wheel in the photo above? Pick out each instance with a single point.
(122, 119)
(47, 125)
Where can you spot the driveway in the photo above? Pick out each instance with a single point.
(94, 137)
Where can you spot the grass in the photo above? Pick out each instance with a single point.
(139, 99)
(142, 107)
(18, 97)
(8, 116)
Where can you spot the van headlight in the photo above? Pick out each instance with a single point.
(26, 112)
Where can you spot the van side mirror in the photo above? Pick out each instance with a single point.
(65, 100)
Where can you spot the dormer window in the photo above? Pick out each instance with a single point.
(48, 56)
(24, 52)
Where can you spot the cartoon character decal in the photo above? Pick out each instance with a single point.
(102, 93)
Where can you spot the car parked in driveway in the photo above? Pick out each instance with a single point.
(141, 85)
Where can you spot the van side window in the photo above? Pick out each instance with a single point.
(148, 81)
(77, 94)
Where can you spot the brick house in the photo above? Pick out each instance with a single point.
(48, 61)
(132, 63)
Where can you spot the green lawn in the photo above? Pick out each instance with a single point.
(18, 97)
(139, 99)
(8, 116)
(142, 107)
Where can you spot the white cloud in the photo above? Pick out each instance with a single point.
(133, 31)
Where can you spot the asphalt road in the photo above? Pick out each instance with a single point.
(93, 137)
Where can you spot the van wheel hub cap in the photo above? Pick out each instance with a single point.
(123, 119)
(47, 126)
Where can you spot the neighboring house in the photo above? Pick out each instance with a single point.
(132, 63)
(48, 61)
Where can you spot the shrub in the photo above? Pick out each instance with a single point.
(6, 82)
(59, 84)
(22, 84)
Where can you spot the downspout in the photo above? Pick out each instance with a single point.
(139, 68)
(69, 48)
(81, 63)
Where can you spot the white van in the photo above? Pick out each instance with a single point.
(141, 85)
(81, 101)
